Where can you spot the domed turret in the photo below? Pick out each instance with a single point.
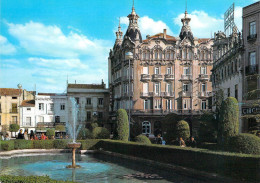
(186, 30)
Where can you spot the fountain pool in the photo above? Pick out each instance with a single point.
(94, 168)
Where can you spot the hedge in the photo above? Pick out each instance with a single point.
(28, 179)
(142, 139)
(100, 133)
(122, 125)
(229, 164)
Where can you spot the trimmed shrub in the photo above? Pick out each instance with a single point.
(92, 144)
(84, 134)
(93, 125)
(122, 126)
(23, 144)
(43, 144)
(100, 133)
(50, 133)
(208, 128)
(14, 127)
(244, 143)
(60, 128)
(142, 139)
(29, 179)
(60, 144)
(182, 130)
(229, 120)
(7, 145)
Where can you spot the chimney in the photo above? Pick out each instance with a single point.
(164, 33)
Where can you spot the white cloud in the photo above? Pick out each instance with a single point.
(43, 40)
(203, 25)
(148, 26)
(6, 48)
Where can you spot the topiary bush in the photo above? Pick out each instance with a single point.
(182, 130)
(14, 127)
(60, 128)
(229, 120)
(244, 143)
(122, 125)
(100, 133)
(93, 125)
(142, 139)
(50, 133)
(84, 134)
(208, 128)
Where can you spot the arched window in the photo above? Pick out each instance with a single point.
(160, 55)
(146, 126)
(190, 54)
(147, 55)
(172, 55)
(144, 55)
(156, 55)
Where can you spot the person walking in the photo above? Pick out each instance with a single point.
(20, 134)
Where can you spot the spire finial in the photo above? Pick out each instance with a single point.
(186, 6)
(133, 3)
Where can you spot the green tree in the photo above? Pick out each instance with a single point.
(122, 126)
(182, 129)
(168, 127)
(84, 134)
(208, 128)
(60, 128)
(93, 125)
(229, 120)
(50, 133)
(14, 127)
(100, 133)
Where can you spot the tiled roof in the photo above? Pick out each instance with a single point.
(10, 91)
(28, 103)
(47, 94)
(202, 40)
(87, 86)
(160, 35)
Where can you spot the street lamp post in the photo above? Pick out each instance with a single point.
(129, 56)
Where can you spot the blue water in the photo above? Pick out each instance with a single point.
(95, 168)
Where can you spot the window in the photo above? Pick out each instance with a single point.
(156, 70)
(186, 70)
(228, 92)
(184, 54)
(145, 88)
(14, 97)
(143, 55)
(203, 70)
(146, 104)
(100, 115)
(57, 119)
(77, 99)
(100, 101)
(62, 107)
(88, 115)
(157, 88)
(158, 104)
(88, 101)
(41, 119)
(252, 58)
(156, 55)
(169, 70)
(51, 107)
(28, 121)
(168, 55)
(203, 104)
(236, 92)
(160, 55)
(203, 87)
(185, 104)
(185, 87)
(146, 126)
(190, 54)
(14, 108)
(41, 106)
(147, 55)
(28, 109)
(14, 119)
(168, 104)
(172, 55)
(252, 28)
(145, 70)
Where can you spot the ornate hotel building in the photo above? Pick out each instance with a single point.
(167, 74)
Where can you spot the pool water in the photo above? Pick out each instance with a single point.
(94, 168)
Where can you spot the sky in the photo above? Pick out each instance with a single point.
(45, 42)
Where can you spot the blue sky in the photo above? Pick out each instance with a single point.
(44, 41)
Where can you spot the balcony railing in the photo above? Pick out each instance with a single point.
(145, 77)
(203, 77)
(88, 106)
(251, 69)
(126, 78)
(169, 77)
(13, 110)
(168, 94)
(204, 94)
(186, 94)
(144, 94)
(117, 80)
(50, 124)
(100, 106)
(185, 77)
(127, 95)
(157, 77)
(252, 37)
(50, 112)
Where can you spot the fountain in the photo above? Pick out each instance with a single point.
(74, 127)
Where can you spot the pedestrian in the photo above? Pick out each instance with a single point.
(159, 139)
(43, 137)
(7, 137)
(193, 142)
(31, 134)
(35, 137)
(26, 135)
(182, 142)
(2, 136)
(20, 134)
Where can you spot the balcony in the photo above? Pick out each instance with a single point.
(14, 111)
(127, 95)
(204, 94)
(251, 70)
(252, 37)
(88, 106)
(126, 78)
(169, 77)
(157, 77)
(203, 77)
(144, 94)
(168, 94)
(186, 94)
(145, 77)
(185, 77)
(100, 106)
(50, 112)
(117, 80)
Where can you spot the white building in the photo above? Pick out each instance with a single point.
(27, 115)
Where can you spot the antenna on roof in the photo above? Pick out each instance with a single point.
(186, 6)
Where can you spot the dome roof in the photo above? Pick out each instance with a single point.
(134, 34)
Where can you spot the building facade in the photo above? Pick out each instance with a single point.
(226, 73)
(166, 74)
(251, 64)
(27, 115)
(93, 102)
